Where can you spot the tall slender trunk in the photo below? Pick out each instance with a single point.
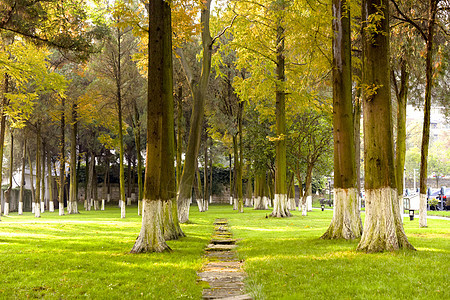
(3, 120)
(205, 177)
(37, 205)
(62, 160)
(22, 179)
(137, 136)
(33, 194)
(231, 180)
(346, 222)
(427, 112)
(129, 179)
(198, 89)
(51, 205)
(72, 205)
(402, 97)
(198, 191)
(43, 177)
(8, 192)
(280, 197)
(383, 228)
(240, 158)
(179, 132)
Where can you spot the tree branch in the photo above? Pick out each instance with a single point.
(408, 20)
(223, 31)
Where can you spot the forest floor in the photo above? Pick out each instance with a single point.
(87, 256)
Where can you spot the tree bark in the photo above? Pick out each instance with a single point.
(22, 179)
(37, 199)
(62, 159)
(160, 182)
(11, 166)
(346, 222)
(198, 90)
(51, 205)
(43, 178)
(427, 112)
(402, 97)
(280, 209)
(3, 120)
(72, 205)
(179, 132)
(383, 229)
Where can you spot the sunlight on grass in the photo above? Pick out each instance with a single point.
(87, 256)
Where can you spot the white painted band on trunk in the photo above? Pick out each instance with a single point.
(20, 209)
(51, 206)
(6, 209)
(423, 210)
(42, 207)
(309, 202)
(103, 204)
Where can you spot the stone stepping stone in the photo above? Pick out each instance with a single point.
(223, 272)
(221, 222)
(220, 247)
(223, 241)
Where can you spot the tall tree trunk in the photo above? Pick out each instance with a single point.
(51, 205)
(8, 192)
(37, 205)
(231, 179)
(3, 121)
(72, 205)
(236, 183)
(33, 194)
(160, 182)
(179, 132)
(346, 222)
(198, 191)
(198, 90)
(22, 179)
(137, 136)
(427, 112)
(43, 177)
(383, 228)
(120, 123)
(62, 160)
(90, 179)
(240, 158)
(402, 94)
(205, 177)
(280, 198)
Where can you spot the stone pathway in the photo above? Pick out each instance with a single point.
(223, 272)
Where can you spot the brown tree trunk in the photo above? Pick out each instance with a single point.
(427, 112)
(383, 228)
(402, 94)
(160, 182)
(22, 180)
(62, 160)
(198, 89)
(37, 199)
(346, 222)
(280, 209)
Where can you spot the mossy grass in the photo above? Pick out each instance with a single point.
(87, 256)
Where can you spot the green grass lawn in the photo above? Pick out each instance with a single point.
(86, 256)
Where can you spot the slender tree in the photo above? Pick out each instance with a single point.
(346, 222)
